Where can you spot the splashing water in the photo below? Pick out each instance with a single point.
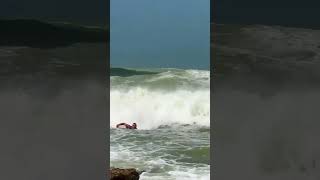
(172, 110)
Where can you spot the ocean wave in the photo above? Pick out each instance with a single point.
(151, 109)
(124, 72)
(164, 80)
(168, 97)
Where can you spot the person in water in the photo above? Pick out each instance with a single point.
(127, 126)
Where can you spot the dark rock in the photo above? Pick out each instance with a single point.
(124, 174)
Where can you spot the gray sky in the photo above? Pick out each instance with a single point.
(166, 33)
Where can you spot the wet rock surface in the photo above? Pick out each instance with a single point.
(124, 174)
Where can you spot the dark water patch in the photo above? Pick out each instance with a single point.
(75, 61)
(39, 34)
(273, 54)
(122, 72)
(198, 155)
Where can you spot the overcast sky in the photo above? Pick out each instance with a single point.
(160, 33)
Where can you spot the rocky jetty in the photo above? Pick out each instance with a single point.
(124, 174)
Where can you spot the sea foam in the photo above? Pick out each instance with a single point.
(151, 107)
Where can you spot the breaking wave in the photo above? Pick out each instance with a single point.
(168, 97)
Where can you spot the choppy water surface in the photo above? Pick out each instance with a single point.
(172, 110)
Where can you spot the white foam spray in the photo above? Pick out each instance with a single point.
(151, 108)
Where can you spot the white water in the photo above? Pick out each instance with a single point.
(173, 97)
(150, 109)
(182, 98)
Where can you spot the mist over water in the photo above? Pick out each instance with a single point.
(265, 105)
(52, 130)
(266, 131)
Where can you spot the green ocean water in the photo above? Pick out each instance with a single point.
(172, 110)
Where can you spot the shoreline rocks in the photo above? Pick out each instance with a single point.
(124, 174)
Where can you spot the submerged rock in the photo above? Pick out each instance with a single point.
(124, 174)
